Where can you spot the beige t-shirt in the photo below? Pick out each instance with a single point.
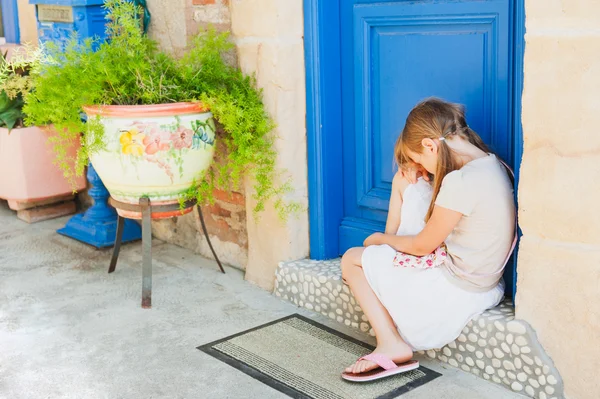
(482, 191)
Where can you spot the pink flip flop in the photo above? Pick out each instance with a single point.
(387, 368)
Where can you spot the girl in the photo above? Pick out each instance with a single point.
(470, 215)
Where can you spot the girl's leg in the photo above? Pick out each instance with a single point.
(389, 342)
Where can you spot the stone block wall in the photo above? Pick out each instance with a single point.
(175, 22)
(212, 12)
(558, 288)
(27, 22)
(171, 23)
(270, 43)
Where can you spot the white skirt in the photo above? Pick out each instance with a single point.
(428, 309)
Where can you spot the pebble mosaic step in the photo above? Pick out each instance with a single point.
(493, 346)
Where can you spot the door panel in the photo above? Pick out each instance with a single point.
(394, 54)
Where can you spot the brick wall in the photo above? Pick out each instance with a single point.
(225, 222)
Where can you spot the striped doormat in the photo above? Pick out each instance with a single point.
(304, 359)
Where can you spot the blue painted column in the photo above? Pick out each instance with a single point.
(58, 20)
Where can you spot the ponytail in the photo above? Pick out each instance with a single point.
(446, 164)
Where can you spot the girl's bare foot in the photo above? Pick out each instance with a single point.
(398, 352)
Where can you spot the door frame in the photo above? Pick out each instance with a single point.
(10, 20)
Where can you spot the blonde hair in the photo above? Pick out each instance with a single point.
(435, 119)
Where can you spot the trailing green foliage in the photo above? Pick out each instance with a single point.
(129, 69)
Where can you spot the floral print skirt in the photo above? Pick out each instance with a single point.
(434, 259)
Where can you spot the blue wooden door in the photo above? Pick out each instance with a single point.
(394, 54)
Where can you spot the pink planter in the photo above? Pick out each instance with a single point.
(27, 172)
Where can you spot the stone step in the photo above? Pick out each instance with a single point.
(493, 346)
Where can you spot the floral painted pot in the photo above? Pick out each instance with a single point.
(154, 151)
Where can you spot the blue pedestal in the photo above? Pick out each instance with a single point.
(98, 225)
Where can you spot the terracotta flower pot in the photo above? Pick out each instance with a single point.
(27, 172)
(154, 151)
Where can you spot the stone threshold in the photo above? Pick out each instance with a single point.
(493, 346)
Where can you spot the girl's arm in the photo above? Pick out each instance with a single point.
(394, 211)
(437, 229)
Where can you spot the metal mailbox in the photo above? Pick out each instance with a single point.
(58, 19)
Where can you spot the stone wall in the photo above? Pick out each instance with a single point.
(212, 12)
(27, 22)
(269, 38)
(558, 289)
(226, 218)
(175, 22)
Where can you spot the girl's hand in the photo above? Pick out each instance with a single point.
(373, 239)
(412, 172)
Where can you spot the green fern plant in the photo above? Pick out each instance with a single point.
(129, 69)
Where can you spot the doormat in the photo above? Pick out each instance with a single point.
(305, 359)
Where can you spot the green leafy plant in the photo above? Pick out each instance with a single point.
(129, 69)
(11, 115)
(15, 82)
